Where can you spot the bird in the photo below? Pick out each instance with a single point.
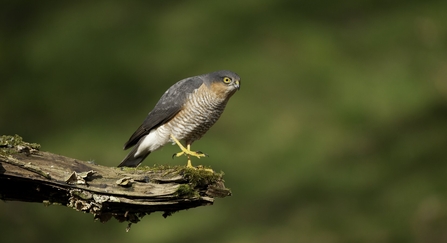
(185, 112)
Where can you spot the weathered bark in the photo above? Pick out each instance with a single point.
(30, 175)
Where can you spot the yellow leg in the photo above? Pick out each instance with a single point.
(189, 165)
(186, 151)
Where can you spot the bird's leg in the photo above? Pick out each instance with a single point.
(189, 165)
(186, 151)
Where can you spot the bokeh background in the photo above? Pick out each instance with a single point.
(338, 134)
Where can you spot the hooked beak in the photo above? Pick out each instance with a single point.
(237, 84)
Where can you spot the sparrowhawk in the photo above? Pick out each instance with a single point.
(185, 112)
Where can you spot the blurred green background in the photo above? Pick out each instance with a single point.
(338, 134)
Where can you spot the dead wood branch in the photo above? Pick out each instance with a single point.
(30, 175)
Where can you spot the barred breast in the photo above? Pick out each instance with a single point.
(199, 113)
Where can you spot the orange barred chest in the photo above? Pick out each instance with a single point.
(201, 111)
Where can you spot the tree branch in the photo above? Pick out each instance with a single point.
(127, 194)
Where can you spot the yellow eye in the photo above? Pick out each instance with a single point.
(227, 80)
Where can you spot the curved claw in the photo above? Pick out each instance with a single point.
(202, 153)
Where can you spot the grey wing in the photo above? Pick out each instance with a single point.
(166, 108)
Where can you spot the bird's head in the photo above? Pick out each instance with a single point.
(224, 83)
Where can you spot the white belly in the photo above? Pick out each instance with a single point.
(156, 139)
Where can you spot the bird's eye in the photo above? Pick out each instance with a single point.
(227, 80)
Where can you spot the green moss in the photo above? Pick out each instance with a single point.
(8, 143)
(16, 140)
(196, 178)
(172, 168)
(201, 177)
(185, 190)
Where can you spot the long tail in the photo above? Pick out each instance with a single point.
(131, 161)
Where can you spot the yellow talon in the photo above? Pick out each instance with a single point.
(189, 165)
(186, 151)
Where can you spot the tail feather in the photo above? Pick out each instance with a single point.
(131, 161)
